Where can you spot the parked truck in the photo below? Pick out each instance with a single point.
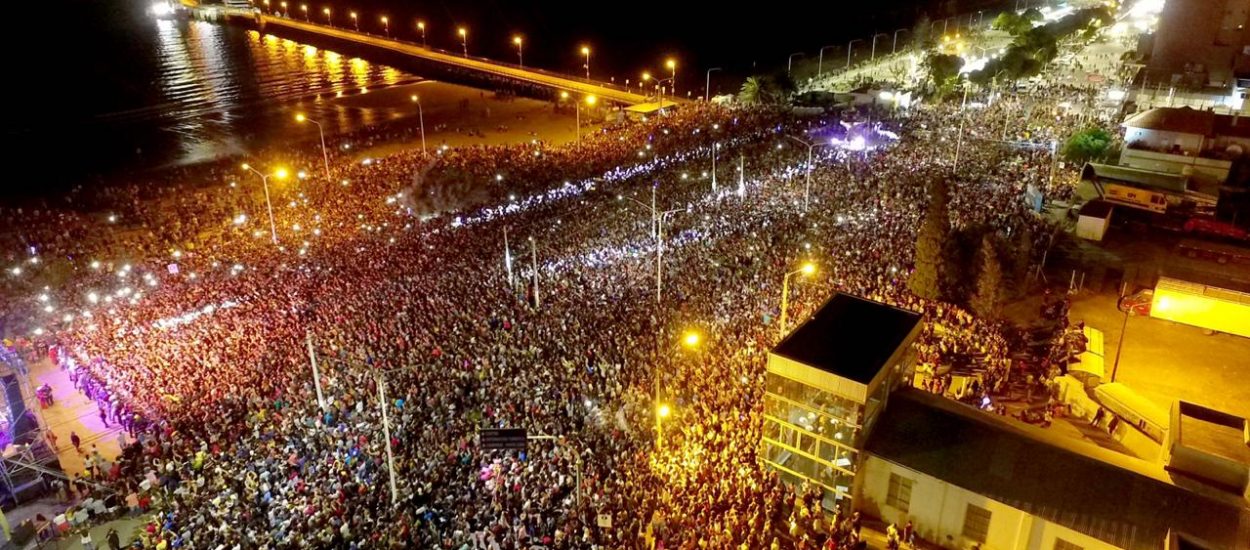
(1206, 306)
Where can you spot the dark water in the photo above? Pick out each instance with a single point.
(105, 89)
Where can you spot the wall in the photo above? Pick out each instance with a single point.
(937, 512)
(1191, 144)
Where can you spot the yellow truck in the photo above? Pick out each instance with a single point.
(1213, 308)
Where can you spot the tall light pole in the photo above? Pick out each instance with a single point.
(355, 21)
(464, 39)
(657, 232)
(386, 25)
(386, 432)
(874, 44)
(325, 156)
(661, 412)
(672, 73)
(280, 173)
(420, 117)
(328, 20)
(807, 269)
(520, 58)
(790, 61)
(707, 85)
(715, 147)
(807, 188)
(586, 52)
(304, 8)
(421, 27)
(849, 49)
(577, 108)
(534, 265)
(284, 12)
(312, 357)
(820, 60)
(959, 143)
(895, 47)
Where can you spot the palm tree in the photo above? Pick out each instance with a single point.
(752, 92)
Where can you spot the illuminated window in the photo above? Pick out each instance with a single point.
(899, 494)
(976, 523)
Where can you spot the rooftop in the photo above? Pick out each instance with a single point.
(1121, 500)
(850, 337)
(1190, 121)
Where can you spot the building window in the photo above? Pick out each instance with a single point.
(1061, 544)
(899, 494)
(976, 523)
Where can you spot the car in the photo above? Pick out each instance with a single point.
(1137, 303)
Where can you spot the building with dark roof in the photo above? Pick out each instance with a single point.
(965, 477)
(825, 384)
(1186, 141)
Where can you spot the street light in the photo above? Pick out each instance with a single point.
(849, 49)
(304, 7)
(691, 339)
(790, 61)
(707, 86)
(661, 412)
(807, 269)
(874, 44)
(420, 117)
(386, 25)
(894, 48)
(464, 39)
(284, 13)
(281, 174)
(355, 21)
(586, 52)
(577, 108)
(328, 21)
(520, 59)
(421, 27)
(672, 68)
(325, 156)
(807, 187)
(820, 60)
(657, 231)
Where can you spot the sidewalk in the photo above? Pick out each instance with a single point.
(73, 412)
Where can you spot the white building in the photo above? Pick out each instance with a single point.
(964, 478)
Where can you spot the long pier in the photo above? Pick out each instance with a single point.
(527, 75)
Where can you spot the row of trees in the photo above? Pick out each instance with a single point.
(946, 259)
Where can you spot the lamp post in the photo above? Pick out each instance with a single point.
(874, 44)
(577, 108)
(519, 42)
(284, 12)
(820, 60)
(807, 188)
(661, 412)
(421, 27)
(715, 147)
(329, 21)
(586, 52)
(420, 117)
(657, 231)
(355, 21)
(849, 49)
(304, 8)
(672, 75)
(894, 48)
(790, 61)
(280, 173)
(807, 269)
(325, 156)
(464, 39)
(386, 25)
(707, 85)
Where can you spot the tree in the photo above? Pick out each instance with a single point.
(1011, 23)
(1032, 15)
(987, 300)
(752, 92)
(930, 263)
(774, 88)
(943, 71)
(1087, 145)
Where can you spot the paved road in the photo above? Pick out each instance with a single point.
(604, 91)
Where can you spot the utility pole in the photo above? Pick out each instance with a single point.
(312, 357)
(507, 258)
(534, 260)
(386, 432)
(742, 175)
(714, 147)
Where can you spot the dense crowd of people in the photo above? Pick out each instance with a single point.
(481, 288)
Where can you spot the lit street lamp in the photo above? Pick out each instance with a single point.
(672, 68)
(849, 49)
(894, 48)
(807, 187)
(386, 25)
(586, 52)
(520, 56)
(325, 156)
(707, 86)
(661, 412)
(421, 118)
(355, 21)
(304, 7)
(328, 21)
(657, 231)
(281, 174)
(464, 40)
(807, 269)
(421, 27)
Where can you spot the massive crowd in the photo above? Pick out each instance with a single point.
(396, 276)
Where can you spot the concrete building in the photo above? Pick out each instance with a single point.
(964, 477)
(826, 383)
(1202, 44)
(1200, 144)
